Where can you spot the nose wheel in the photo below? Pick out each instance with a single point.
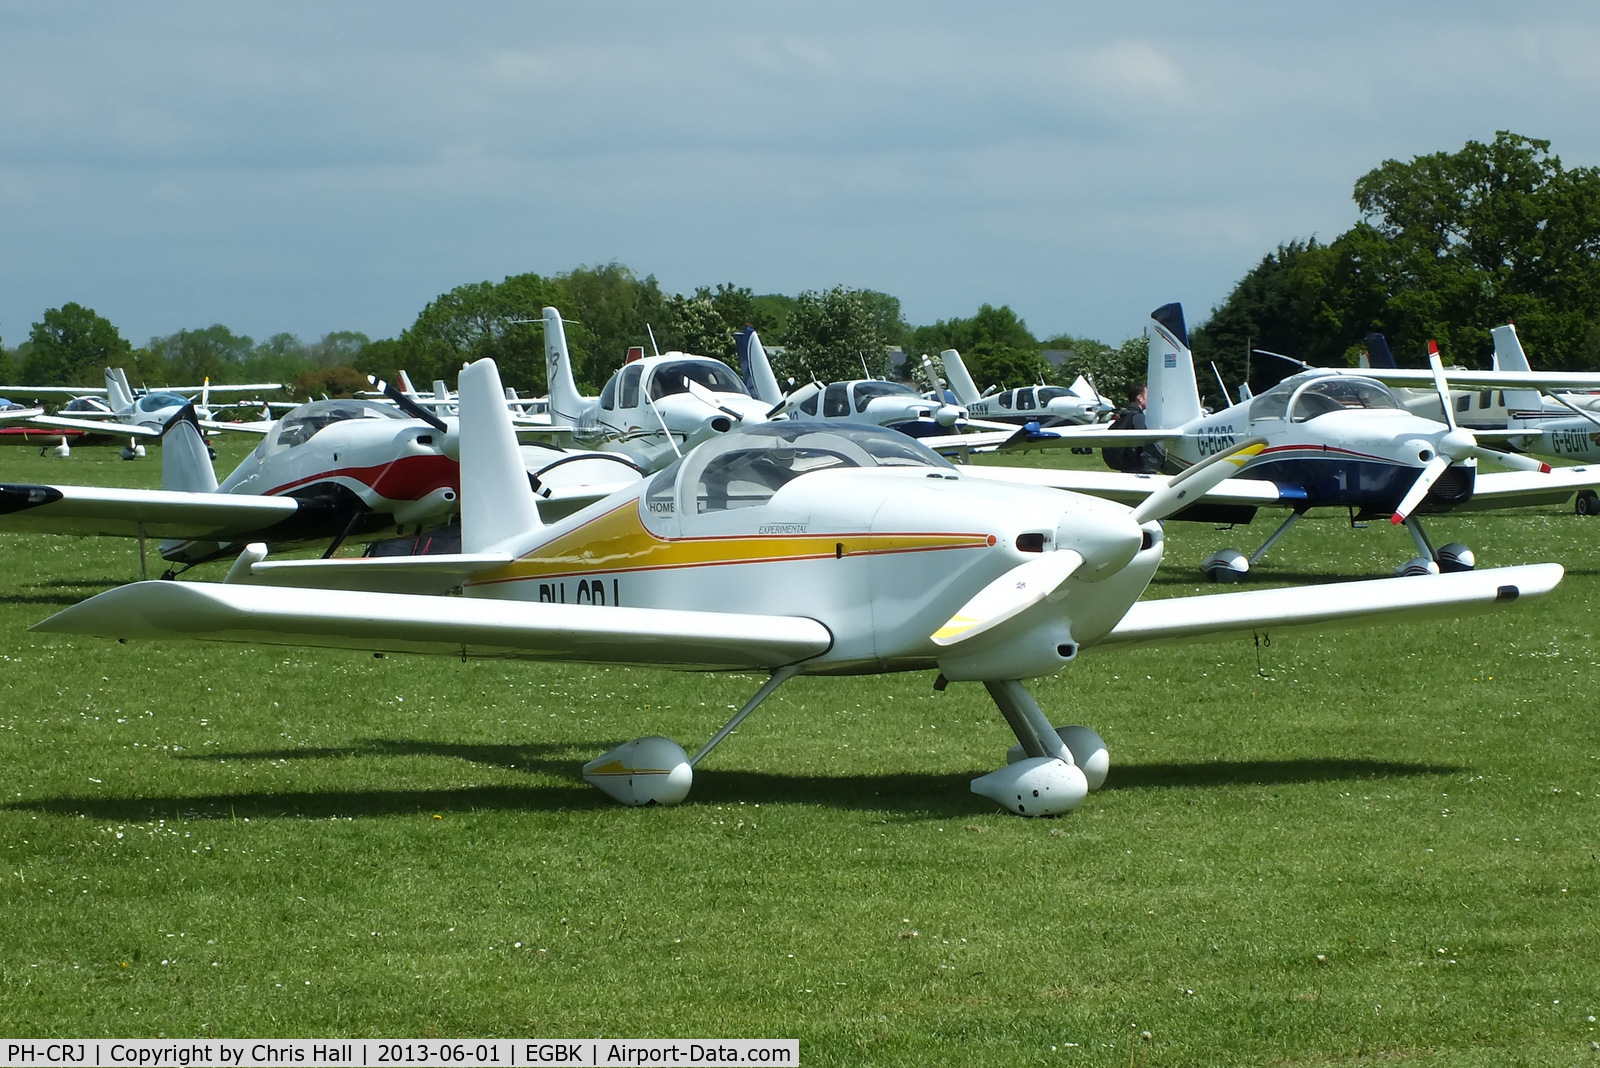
(1051, 769)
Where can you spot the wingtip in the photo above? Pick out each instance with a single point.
(1397, 519)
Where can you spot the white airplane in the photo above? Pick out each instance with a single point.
(122, 413)
(862, 400)
(1336, 439)
(1045, 405)
(328, 471)
(787, 547)
(654, 408)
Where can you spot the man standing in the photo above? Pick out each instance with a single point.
(1133, 459)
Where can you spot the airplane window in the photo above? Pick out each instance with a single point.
(301, 424)
(835, 405)
(1046, 394)
(1004, 399)
(669, 378)
(1464, 402)
(809, 405)
(154, 402)
(630, 386)
(1272, 404)
(750, 477)
(1323, 395)
(1483, 399)
(1499, 399)
(660, 502)
(1024, 400)
(865, 391)
(608, 396)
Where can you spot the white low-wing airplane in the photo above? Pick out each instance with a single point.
(125, 414)
(1045, 405)
(1335, 439)
(654, 408)
(787, 547)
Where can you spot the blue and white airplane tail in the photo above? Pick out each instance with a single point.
(118, 393)
(185, 456)
(1174, 396)
(1378, 354)
(1508, 356)
(565, 401)
(754, 367)
(961, 383)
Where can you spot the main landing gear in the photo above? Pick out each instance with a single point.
(1230, 565)
(1587, 503)
(1453, 556)
(656, 770)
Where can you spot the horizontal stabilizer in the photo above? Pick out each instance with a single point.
(452, 626)
(1329, 605)
(123, 512)
(378, 574)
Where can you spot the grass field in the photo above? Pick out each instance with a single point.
(1376, 846)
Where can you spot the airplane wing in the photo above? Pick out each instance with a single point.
(13, 415)
(1422, 376)
(102, 426)
(452, 626)
(130, 512)
(253, 426)
(1132, 489)
(1327, 606)
(1515, 489)
(57, 391)
(248, 387)
(1083, 436)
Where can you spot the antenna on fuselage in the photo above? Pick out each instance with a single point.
(653, 347)
(1221, 384)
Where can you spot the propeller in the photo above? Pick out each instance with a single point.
(709, 399)
(407, 405)
(795, 399)
(1009, 595)
(1037, 580)
(1196, 481)
(1456, 445)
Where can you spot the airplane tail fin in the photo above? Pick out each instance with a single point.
(754, 367)
(185, 457)
(497, 501)
(1508, 356)
(961, 383)
(565, 400)
(1378, 354)
(1174, 396)
(405, 383)
(118, 392)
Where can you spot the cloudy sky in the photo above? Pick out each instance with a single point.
(308, 167)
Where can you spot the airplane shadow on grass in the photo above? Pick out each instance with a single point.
(62, 591)
(913, 795)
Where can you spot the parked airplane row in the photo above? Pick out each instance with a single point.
(626, 553)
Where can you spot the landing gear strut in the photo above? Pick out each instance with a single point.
(1050, 769)
(1231, 565)
(656, 770)
(1453, 556)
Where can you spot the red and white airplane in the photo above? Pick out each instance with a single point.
(327, 471)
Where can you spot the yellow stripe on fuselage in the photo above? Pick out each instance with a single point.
(617, 542)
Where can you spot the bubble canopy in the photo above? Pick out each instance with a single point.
(746, 466)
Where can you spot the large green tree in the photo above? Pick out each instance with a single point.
(1450, 245)
(192, 355)
(995, 344)
(838, 335)
(71, 346)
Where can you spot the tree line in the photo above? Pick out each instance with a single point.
(1447, 246)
